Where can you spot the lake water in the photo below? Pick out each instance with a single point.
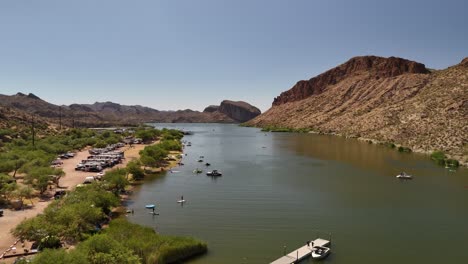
(279, 190)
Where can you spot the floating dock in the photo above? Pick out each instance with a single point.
(301, 253)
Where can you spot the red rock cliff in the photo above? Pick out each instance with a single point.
(377, 67)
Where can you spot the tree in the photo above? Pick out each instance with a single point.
(134, 168)
(26, 192)
(7, 186)
(153, 155)
(117, 179)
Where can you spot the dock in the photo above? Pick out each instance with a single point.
(301, 253)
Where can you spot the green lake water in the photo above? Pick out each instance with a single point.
(279, 190)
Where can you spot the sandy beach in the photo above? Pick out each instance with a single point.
(72, 178)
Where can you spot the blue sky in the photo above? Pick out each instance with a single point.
(179, 54)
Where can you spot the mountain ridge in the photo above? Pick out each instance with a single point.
(398, 101)
(110, 113)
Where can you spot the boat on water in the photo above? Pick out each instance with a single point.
(207, 164)
(197, 170)
(214, 173)
(181, 201)
(320, 252)
(150, 206)
(200, 160)
(404, 176)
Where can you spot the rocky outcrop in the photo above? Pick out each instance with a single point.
(211, 108)
(376, 67)
(464, 62)
(239, 111)
(390, 100)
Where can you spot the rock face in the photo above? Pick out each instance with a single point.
(239, 111)
(391, 100)
(211, 109)
(376, 67)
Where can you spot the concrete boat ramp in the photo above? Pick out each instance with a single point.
(301, 253)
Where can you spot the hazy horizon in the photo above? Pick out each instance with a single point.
(173, 55)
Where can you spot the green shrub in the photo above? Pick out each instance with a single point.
(438, 157)
(452, 163)
(404, 149)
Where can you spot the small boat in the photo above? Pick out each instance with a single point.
(320, 252)
(214, 173)
(207, 164)
(197, 170)
(404, 176)
(181, 201)
(150, 206)
(200, 160)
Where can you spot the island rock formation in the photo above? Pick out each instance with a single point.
(239, 111)
(383, 99)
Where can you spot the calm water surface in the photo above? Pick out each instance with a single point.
(281, 189)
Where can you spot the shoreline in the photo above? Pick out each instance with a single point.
(72, 178)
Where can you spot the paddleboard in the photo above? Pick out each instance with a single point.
(181, 201)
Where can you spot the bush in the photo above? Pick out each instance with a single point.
(452, 163)
(438, 157)
(404, 149)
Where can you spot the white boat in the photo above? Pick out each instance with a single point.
(320, 252)
(214, 173)
(181, 201)
(405, 176)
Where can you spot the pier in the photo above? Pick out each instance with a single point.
(301, 253)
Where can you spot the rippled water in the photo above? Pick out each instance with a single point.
(281, 189)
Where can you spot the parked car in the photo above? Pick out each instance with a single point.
(89, 180)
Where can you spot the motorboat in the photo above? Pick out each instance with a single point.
(404, 176)
(150, 206)
(207, 164)
(200, 160)
(214, 173)
(320, 252)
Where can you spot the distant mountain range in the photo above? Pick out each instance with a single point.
(385, 99)
(111, 114)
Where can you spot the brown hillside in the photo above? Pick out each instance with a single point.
(392, 100)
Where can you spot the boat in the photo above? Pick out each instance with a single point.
(197, 170)
(214, 173)
(150, 206)
(207, 164)
(405, 176)
(181, 201)
(320, 252)
(200, 160)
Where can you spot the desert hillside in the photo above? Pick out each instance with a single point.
(385, 99)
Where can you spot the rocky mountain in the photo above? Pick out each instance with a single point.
(238, 111)
(384, 99)
(110, 114)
